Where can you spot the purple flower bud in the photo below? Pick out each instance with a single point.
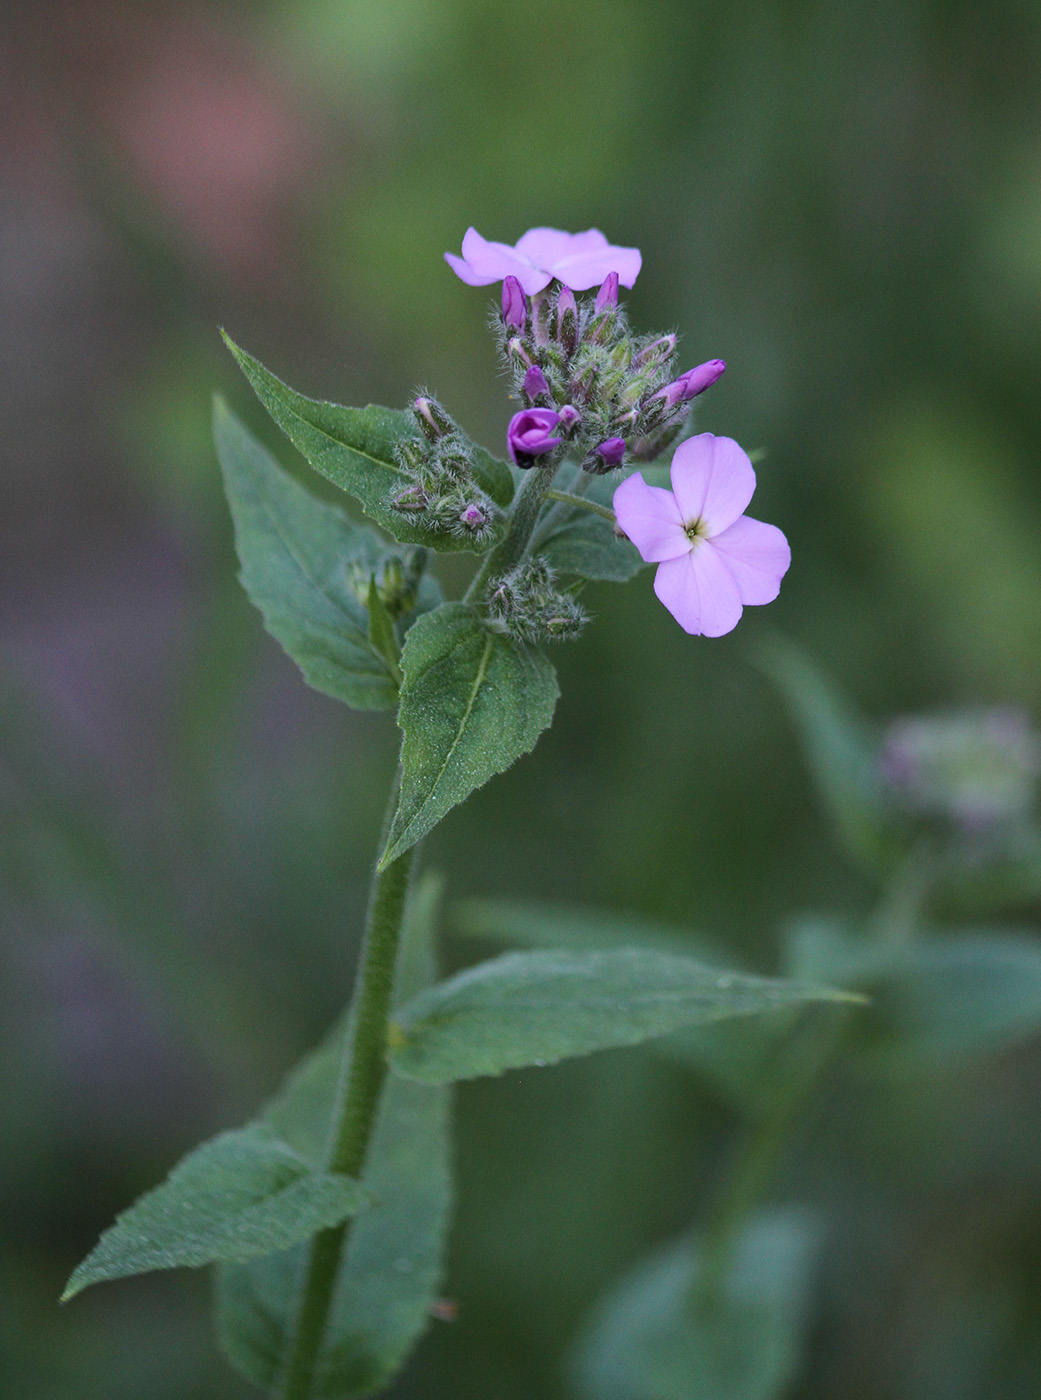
(612, 451)
(702, 377)
(535, 383)
(657, 352)
(473, 517)
(569, 417)
(412, 498)
(431, 418)
(514, 305)
(607, 296)
(567, 320)
(689, 385)
(530, 435)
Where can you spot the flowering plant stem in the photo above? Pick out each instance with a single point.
(566, 498)
(510, 550)
(363, 1071)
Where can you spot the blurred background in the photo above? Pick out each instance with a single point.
(841, 200)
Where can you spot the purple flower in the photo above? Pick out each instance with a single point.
(530, 435)
(611, 452)
(581, 260)
(514, 306)
(712, 559)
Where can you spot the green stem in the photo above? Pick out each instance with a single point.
(510, 550)
(806, 1056)
(569, 500)
(363, 1072)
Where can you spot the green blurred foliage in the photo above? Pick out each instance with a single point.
(840, 200)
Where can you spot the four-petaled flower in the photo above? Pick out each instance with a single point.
(579, 260)
(712, 558)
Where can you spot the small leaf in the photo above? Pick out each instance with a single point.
(294, 551)
(658, 1337)
(538, 1008)
(493, 476)
(840, 750)
(244, 1194)
(472, 702)
(355, 449)
(586, 545)
(393, 1262)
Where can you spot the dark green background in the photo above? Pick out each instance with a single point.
(843, 201)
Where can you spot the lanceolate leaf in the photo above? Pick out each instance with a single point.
(244, 1194)
(538, 1008)
(295, 552)
(658, 1336)
(472, 702)
(355, 448)
(392, 1267)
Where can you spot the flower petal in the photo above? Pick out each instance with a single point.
(545, 246)
(713, 481)
(757, 555)
(484, 262)
(651, 519)
(700, 592)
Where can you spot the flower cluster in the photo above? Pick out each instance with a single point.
(440, 469)
(397, 579)
(592, 389)
(588, 385)
(527, 604)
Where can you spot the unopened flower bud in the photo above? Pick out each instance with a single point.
(530, 435)
(514, 305)
(702, 377)
(607, 296)
(473, 517)
(611, 452)
(569, 418)
(412, 454)
(541, 316)
(656, 353)
(535, 384)
(567, 320)
(516, 351)
(413, 498)
(432, 418)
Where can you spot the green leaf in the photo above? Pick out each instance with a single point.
(538, 1008)
(244, 1194)
(393, 1262)
(355, 449)
(294, 551)
(657, 1336)
(587, 545)
(472, 702)
(493, 476)
(840, 749)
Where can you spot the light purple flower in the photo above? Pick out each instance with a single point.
(580, 260)
(530, 435)
(712, 558)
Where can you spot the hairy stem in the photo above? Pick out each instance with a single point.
(580, 501)
(361, 1083)
(510, 550)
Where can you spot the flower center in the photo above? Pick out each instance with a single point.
(698, 530)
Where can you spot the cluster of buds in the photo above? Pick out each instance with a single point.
(397, 578)
(442, 490)
(977, 769)
(589, 385)
(527, 605)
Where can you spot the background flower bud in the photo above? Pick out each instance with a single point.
(535, 385)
